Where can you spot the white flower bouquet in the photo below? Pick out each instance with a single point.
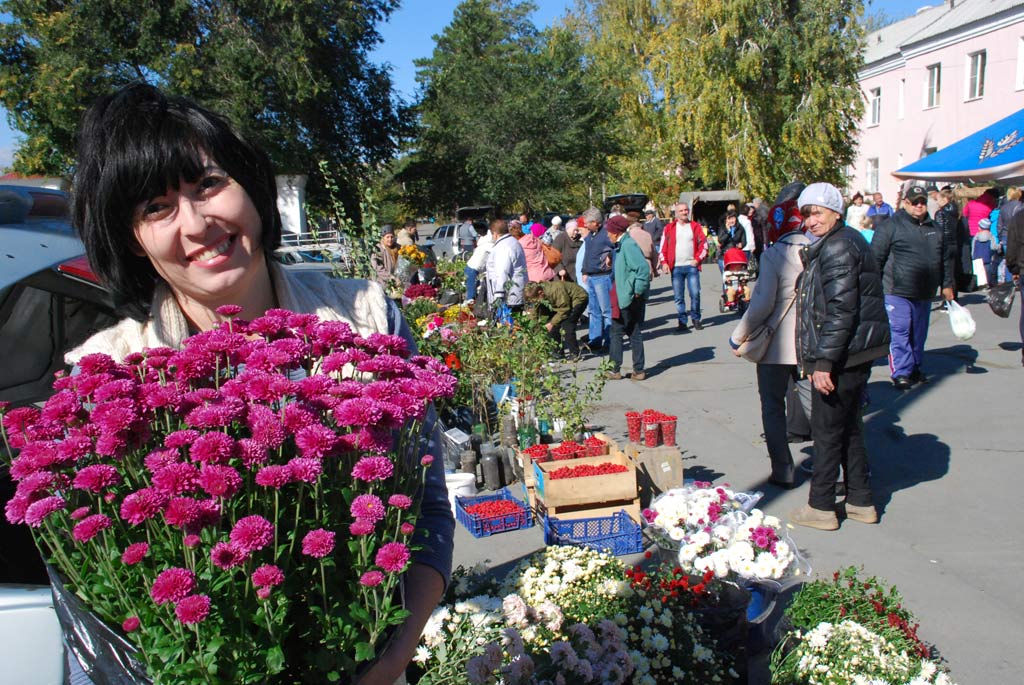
(848, 653)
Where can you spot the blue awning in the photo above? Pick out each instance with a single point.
(994, 153)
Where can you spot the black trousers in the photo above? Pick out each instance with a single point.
(568, 329)
(773, 380)
(838, 434)
(630, 323)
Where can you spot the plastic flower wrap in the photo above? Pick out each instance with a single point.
(743, 547)
(256, 490)
(696, 506)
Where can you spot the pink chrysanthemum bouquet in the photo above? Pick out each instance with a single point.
(241, 521)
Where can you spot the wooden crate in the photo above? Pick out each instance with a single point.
(577, 511)
(658, 469)
(564, 492)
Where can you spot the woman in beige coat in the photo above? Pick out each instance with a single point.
(770, 304)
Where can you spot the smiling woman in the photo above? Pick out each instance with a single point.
(178, 215)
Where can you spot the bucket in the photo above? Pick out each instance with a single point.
(668, 431)
(461, 485)
(652, 433)
(633, 425)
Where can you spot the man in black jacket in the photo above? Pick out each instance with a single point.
(841, 329)
(912, 255)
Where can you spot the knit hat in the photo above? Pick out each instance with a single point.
(387, 228)
(823, 195)
(572, 225)
(617, 224)
(985, 224)
(556, 220)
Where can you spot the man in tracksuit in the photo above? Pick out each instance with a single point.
(914, 260)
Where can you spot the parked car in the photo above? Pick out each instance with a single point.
(444, 242)
(631, 203)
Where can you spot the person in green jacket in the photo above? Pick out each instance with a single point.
(631, 283)
(563, 302)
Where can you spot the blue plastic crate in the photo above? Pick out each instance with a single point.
(617, 534)
(482, 526)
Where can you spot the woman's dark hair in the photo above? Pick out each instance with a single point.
(132, 146)
(855, 196)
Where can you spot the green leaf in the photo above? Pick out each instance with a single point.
(275, 659)
(364, 651)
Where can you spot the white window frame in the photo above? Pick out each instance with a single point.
(1020, 64)
(871, 175)
(933, 86)
(875, 103)
(974, 87)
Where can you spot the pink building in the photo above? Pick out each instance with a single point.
(933, 79)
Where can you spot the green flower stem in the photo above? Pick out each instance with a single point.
(323, 587)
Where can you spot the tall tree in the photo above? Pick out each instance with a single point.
(754, 92)
(507, 115)
(294, 75)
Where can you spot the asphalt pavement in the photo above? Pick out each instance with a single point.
(944, 460)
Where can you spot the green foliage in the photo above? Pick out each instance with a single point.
(736, 93)
(847, 596)
(509, 116)
(566, 396)
(295, 76)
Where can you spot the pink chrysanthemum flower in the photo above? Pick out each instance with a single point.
(225, 556)
(182, 438)
(373, 468)
(267, 575)
(97, 478)
(212, 448)
(400, 501)
(407, 528)
(79, 513)
(193, 609)
(73, 447)
(427, 460)
(134, 553)
(131, 624)
(263, 592)
(252, 533)
(35, 483)
(90, 527)
(172, 585)
(158, 459)
(62, 407)
(392, 557)
(360, 527)
(252, 453)
(113, 390)
(219, 481)
(367, 507)
(15, 509)
(38, 511)
(358, 411)
(265, 426)
(297, 417)
(315, 441)
(318, 543)
(274, 476)
(229, 310)
(175, 479)
(371, 579)
(191, 541)
(181, 512)
(305, 470)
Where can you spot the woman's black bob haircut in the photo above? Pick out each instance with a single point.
(132, 146)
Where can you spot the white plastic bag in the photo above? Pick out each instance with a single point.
(961, 321)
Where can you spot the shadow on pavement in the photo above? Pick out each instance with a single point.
(699, 354)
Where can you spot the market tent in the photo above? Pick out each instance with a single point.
(994, 153)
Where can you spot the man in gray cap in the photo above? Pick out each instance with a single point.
(653, 225)
(387, 256)
(841, 329)
(915, 260)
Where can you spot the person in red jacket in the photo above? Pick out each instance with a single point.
(684, 245)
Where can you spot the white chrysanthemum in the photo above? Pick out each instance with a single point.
(422, 655)
(659, 642)
(772, 521)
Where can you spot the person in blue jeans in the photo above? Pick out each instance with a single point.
(597, 278)
(682, 251)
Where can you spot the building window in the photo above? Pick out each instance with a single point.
(871, 178)
(1020, 64)
(876, 106)
(976, 76)
(934, 86)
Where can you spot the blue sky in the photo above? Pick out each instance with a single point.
(407, 36)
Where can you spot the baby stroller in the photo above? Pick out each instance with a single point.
(735, 279)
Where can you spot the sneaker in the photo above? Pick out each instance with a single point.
(866, 514)
(612, 376)
(814, 518)
(902, 383)
(697, 325)
(638, 376)
(682, 328)
(918, 377)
